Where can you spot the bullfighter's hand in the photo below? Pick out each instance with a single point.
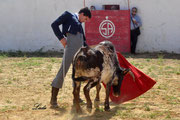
(63, 42)
(135, 22)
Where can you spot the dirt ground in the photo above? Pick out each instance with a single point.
(25, 85)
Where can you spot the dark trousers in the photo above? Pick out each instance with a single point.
(134, 38)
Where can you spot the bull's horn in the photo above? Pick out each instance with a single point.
(131, 73)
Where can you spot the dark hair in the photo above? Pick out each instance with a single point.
(135, 8)
(86, 12)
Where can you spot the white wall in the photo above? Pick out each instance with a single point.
(25, 24)
(161, 27)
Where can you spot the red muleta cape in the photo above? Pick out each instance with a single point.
(131, 89)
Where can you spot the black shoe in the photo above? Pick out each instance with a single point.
(54, 94)
(134, 53)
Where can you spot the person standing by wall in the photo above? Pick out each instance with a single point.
(72, 38)
(92, 7)
(135, 29)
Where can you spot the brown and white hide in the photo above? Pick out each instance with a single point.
(96, 65)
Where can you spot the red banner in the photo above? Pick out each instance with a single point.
(111, 25)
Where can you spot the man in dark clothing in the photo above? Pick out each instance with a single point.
(135, 23)
(72, 38)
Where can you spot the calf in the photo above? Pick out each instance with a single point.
(96, 65)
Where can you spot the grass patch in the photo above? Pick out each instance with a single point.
(1, 71)
(146, 107)
(124, 114)
(8, 108)
(28, 63)
(26, 80)
(155, 114)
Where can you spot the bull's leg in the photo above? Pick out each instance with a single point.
(98, 88)
(106, 104)
(76, 96)
(97, 100)
(86, 89)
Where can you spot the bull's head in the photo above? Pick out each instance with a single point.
(118, 78)
(88, 58)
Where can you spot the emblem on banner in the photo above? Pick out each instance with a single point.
(107, 28)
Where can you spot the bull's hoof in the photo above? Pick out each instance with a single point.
(96, 99)
(89, 110)
(53, 105)
(80, 101)
(96, 104)
(78, 110)
(89, 106)
(107, 108)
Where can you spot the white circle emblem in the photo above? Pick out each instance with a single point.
(107, 28)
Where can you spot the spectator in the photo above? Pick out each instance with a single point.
(135, 29)
(92, 8)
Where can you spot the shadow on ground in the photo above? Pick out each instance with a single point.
(100, 115)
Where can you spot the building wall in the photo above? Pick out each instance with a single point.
(25, 25)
